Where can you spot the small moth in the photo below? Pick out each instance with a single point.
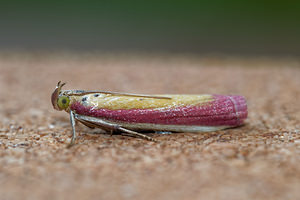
(129, 113)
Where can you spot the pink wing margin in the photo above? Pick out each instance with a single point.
(224, 110)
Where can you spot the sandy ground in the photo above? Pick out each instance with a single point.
(257, 161)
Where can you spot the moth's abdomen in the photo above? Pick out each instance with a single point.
(227, 111)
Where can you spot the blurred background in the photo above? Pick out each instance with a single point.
(190, 26)
(249, 48)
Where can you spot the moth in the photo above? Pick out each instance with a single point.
(129, 114)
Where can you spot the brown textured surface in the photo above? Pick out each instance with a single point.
(257, 161)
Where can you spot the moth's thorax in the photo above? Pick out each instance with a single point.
(116, 102)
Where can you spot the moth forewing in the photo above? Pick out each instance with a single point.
(126, 112)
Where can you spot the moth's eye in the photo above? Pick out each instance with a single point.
(63, 102)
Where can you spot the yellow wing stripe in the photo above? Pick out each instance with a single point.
(115, 102)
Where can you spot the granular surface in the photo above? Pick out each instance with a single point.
(259, 160)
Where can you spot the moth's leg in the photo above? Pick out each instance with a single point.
(93, 126)
(96, 122)
(72, 119)
(135, 134)
(90, 125)
(111, 127)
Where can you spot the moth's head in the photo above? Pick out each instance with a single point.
(59, 101)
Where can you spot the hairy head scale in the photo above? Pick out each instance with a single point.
(55, 95)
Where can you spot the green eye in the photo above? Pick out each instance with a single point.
(63, 102)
